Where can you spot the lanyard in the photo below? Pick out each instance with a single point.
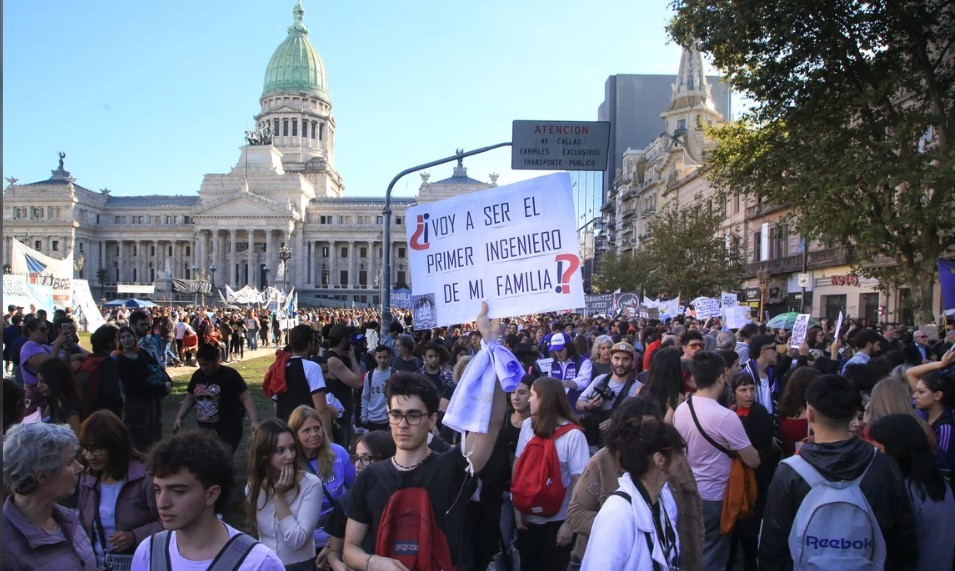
(663, 527)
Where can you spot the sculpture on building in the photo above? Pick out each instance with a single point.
(260, 136)
(62, 156)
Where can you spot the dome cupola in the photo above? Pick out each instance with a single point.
(296, 67)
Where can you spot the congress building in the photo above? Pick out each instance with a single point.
(283, 195)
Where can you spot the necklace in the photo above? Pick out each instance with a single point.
(412, 467)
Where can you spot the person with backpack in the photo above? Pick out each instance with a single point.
(716, 437)
(285, 500)
(97, 376)
(636, 528)
(551, 454)
(192, 479)
(418, 497)
(902, 437)
(839, 503)
(606, 392)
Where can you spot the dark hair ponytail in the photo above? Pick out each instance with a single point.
(636, 441)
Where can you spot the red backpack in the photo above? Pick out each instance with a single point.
(408, 531)
(536, 487)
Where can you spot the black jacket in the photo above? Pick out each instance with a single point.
(883, 486)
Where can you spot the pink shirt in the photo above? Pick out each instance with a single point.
(710, 466)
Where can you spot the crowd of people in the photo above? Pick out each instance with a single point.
(544, 442)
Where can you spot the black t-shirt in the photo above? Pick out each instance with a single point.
(410, 366)
(217, 396)
(443, 475)
(344, 393)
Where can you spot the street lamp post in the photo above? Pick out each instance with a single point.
(212, 270)
(284, 254)
(762, 276)
(266, 268)
(195, 276)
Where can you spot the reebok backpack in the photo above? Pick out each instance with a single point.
(537, 487)
(408, 531)
(834, 527)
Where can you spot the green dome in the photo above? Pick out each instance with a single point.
(295, 66)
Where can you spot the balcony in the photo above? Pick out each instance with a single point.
(761, 209)
(649, 210)
(830, 257)
(785, 265)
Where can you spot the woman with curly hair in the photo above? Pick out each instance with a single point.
(285, 500)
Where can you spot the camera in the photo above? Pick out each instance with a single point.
(602, 390)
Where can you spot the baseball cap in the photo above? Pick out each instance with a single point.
(622, 347)
(558, 341)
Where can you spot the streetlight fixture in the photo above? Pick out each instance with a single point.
(266, 268)
(212, 270)
(284, 254)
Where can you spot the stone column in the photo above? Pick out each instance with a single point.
(308, 263)
(352, 264)
(332, 264)
(233, 260)
(214, 237)
(251, 253)
(372, 264)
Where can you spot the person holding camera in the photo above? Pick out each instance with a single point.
(606, 391)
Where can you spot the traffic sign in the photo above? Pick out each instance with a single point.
(560, 145)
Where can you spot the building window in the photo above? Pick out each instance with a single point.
(188, 250)
(343, 277)
(38, 245)
(285, 127)
(401, 278)
(834, 304)
(294, 127)
(275, 131)
(321, 131)
(314, 127)
(97, 218)
(344, 251)
(362, 278)
(379, 220)
(324, 219)
(55, 245)
(778, 242)
(401, 252)
(304, 129)
(757, 247)
(324, 251)
(398, 220)
(869, 304)
(363, 252)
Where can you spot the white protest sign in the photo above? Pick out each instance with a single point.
(706, 307)
(515, 246)
(800, 328)
(671, 307)
(84, 308)
(729, 299)
(838, 325)
(737, 317)
(545, 365)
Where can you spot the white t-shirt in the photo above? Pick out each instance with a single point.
(109, 493)
(261, 558)
(710, 466)
(313, 376)
(573, 454)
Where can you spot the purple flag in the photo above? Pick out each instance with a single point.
(946, 278)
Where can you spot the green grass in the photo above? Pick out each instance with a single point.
(253, 371)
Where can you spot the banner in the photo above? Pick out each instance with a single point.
(191, 286)
(946, 279)
(598, 304)
(16, 291)
(671, 307)
(84, 308)
(401, 298)
(135, 288)
(514, 245)
(43, 270)
(627, 303)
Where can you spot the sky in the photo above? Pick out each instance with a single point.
(147, 97)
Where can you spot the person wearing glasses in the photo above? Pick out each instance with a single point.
(764, 367)
(39, 470)
(369, 448)
(33, 353)
(412, 414)
(117, 505)
(325, 459)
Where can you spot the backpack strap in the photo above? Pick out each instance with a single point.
(159, 551)
(622, 395)
(233, 553)
(696, 421)
(562, 430)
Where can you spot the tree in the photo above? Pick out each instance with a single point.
(687, 255)
(852, 125)
(101, 276)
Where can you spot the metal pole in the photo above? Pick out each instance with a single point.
(386, 239)
(805, 267)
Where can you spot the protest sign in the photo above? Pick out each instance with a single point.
(627, 303)
(514, 245)
(17, 291)
(84, 308)
(800, 328)
(706, 307)
(401, 298)
(598, 304)
(728, 299)
(838, 325)
(670, 307)
(737, 317)
(545, 365)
